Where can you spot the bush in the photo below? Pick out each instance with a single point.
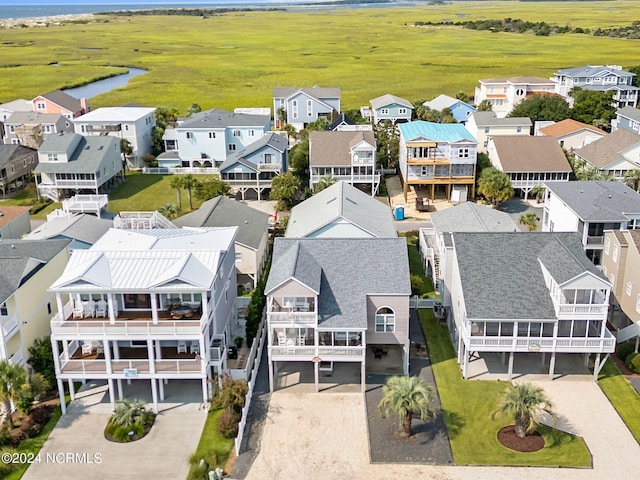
(633, 362)
(5, 435)
(417, 284)
(624, 351)
(41, 414)
(30, 427)
(17, 436)
(228, 424)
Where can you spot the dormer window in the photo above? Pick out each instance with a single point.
(236, 133)
(52, 157)
(41, 106)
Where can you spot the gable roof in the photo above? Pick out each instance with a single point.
(568, 126)
(471, 217)
(441, 102)
(517, 80)
(8, 213)
(343, 285)
(630, 112)
(8, 152)
(63, 100)
(341, 201)
(271, 139)
(389, 99)
(437, 132)
(503, 257)
(218, 118)
(19, 117)
(597, 201)
(223, 212)
(18, 105)
(489, 119)
(87, 156)
(592, 70)
(334, 148)
(20, 259)
(319, 93)
(116, 114)
(605, 150)
(84, 228)
(524, 153)
(341, 120)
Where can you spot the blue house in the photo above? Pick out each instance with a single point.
(388, 107)
(300, 106)
(256, 165)
(627, 118)
(460, 110)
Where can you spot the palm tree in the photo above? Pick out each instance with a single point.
(530, 219)
(131, 412)
(12, 378)
(177, 183)
(524, 401)
(190, 182)
(324, 182)
(538, 192)
(632, 179)
(169, 210)
(406, 396)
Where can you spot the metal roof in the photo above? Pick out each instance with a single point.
(115, 114)
(217, 118)
(437, 132)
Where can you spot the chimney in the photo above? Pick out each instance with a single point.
(84, 106)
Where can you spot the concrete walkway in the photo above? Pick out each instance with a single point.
(77, 449)
(317, 436)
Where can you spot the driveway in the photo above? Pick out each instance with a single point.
(77, 448)
(318, 436)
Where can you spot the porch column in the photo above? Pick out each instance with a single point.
(552, 365)
(270, 374)
(120, 391)
(63, 403)
(510, 371)
(465, 367)
(152, 360)
(112, 399)
(72, 390)
(154, 395)
(205, 392)
(316, 367)
(56, 355)
(363, 376)
(405, 358)
(154, 308)
(112, 310)
(596, 367)
(161, 383)
(460, 349)
(60, 306)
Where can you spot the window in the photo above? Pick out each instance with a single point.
(518, 129)
(294, 106)
(41, 106)
(49, 308)
(269, 158)
(402, 111)
(212, 134)
(232, 147)
(463, 153)
(238, 257)
(236, 133)
(384, 111)
(612, 279)
(519, 92)
(252, 133)
(11, 128)
(614, 257)
(309, 108)
(189, 135)
(4, 311)
(52, 157)
(487, 129)
(607, 244)
(629, 286)
(47, 128)
(126, 127)
(385, 320)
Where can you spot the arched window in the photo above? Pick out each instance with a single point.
(385, 320)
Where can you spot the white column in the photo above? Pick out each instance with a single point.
(363, 376)
(552, 365)
(270, 374)
(120, 391)
(152, 360)
(60, 306)
(63, 403)
(510, 371)
(460, 349)
(596, 368)
(56, 355)
(205, 392)
(161, 383)
(316, 367)
(154, 395)
(405, 357)
(112, 310)
(72, 390)
(112, 399)
(465, 367)
(154, 308)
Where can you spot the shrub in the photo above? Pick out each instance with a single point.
(17, 437)
(5, 435)
(633, 362)
(41, 414)
(232, 395)
(624, 351)
(41, 359)
(417, 285)
(30, 427)
(228, 424)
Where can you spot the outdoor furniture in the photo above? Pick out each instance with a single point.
(87, 348)
(422, 204)
(101, 309)
(78, 311)
(182, 347)
(89, 308)
(194, 347)
(100, 348)
(182, 311)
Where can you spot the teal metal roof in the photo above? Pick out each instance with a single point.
(437, 132)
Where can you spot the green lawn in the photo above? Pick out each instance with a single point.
(213, 448)
(236, 59)
(622, 396)
(467, 406)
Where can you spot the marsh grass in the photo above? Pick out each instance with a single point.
(235, 60)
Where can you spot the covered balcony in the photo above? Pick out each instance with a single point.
(292, 311)
(582, 304)
(301, 343)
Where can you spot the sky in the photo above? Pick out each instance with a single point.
(92, 2)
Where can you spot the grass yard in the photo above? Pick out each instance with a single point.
(467, 407)
(622, 396)
(236, 59)
(213, 448)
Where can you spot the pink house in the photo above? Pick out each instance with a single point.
(61, 103)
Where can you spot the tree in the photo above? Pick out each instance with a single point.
(41, 359)
(36, 386)
(388, 145)
(584, 171)
(12, 378)
(324, 182)
(463, 97)
(190, 182)
(164, 117)
(542, 107)
(283, 189)
(406, 396)
(177, 183)
(131, 412)
(126, 148)
(632, 179)
(193, 109)
(636, 70)
(523, 401)
(211, 188)
(592, 106)
(169, 210)
(530, 219)
(538, 192)
(484, 106)
(299, 160)
(495, 186)
(482, 163)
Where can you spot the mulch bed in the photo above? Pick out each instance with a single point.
(531, 443)
(622, 367)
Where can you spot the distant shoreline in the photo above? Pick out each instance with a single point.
(44, 21)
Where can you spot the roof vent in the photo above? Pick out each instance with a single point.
(13, 246)
(582, 191)
(609, 196)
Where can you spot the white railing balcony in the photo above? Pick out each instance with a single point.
(595, 240)
(123, 368)
(542, 344)
(9, 326)
(292, 318)
(568, 311)
(85, 203)
(269, 167)
(128, 328)
(17, 358)
(74, 184)
(326, 353)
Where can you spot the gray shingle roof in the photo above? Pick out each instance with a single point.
(86, 158)
(351, 269)
(334, 148)
(524, 153)
(85, 228)
(389, 99)
(33, 117)
(16, 261)
(502, 277)
(64, 100)
(315, 92)
(591, 70)
(341, 200)
(489, 118)
(7, 152)
(224, 212)
(471, 217)
(630, 112)
(606, 150)
(597, 201)
(217, 118)
(272, 139)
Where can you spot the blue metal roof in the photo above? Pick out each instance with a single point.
(437, 132)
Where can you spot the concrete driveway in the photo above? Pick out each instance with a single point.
(77, 449)
(318, 436)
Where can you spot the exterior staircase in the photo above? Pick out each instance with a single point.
(627, 333)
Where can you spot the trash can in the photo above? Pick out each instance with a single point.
(399, 213)
(232, 353)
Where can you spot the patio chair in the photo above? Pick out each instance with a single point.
(182, 347)
(89, 308)
(101, 309)
(87, 348)
(194, 347)
(100, 348)
(78, 310)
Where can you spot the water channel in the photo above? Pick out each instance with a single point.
(105, 85)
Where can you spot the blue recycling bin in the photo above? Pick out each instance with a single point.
(399, 213)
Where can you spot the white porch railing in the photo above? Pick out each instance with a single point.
(84, 328)
(137, 220)
(542, 344)
(9, 326)
(269, 167)
(417, 302)
(326, 353)
(17, 358)
(85, 203)
(118, 367)
(569, 311)
(293, 318)
(74, 184)
(181, 170)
